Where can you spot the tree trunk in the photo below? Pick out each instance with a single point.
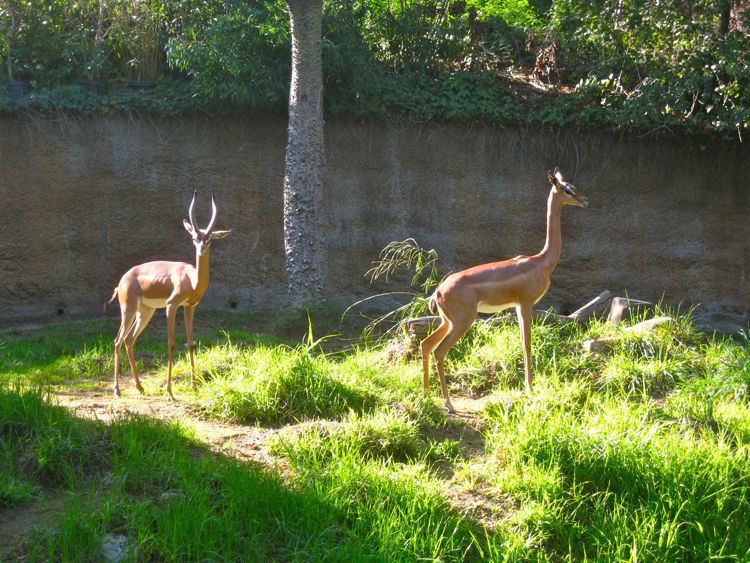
(303, 182)
(725, 13)
(14, 14)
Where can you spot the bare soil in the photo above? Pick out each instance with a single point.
(15, 525)
(244, 442)
(250, 444)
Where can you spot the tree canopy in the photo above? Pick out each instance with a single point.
(679, 66)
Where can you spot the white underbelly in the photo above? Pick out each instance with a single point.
(487, 308)
(154, 303)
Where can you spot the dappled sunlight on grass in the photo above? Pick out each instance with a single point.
(280, 385)
(654, 473)
(164, 492)
(275, 384)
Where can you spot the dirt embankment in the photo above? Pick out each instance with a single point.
(89, 198)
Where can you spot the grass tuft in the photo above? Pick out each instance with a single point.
(276, 385)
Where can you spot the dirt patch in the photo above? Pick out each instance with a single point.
(479, 504)
(476, 500)
(247, 443)
(18, 523)
(250, 444)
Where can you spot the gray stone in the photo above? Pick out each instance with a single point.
(624, 308)
(114, 547)
(598, 304)
(649, 324)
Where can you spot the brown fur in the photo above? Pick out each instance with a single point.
(519, 282)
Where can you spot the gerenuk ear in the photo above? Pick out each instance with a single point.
(188, 227)
(219, 234)
(551, 177)
(559, 176)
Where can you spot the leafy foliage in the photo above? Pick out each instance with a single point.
(403, 254)
(236, 51)
(631, 65)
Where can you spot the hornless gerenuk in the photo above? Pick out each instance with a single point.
(519, 282)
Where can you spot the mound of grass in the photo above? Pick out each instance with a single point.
(617, 478)
(277, 384)
(374, 469)
(387, 435)
(641, 452)
(280, 384)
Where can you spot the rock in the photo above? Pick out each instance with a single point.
(169, 495)
(597, 305)
(547, 316)
(601, 345)
(539, 315)
(114, 547)
(649, 324)
(419, 327)
(623, 308)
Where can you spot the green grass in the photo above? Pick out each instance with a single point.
(79, 354)
(174, 500)
(640, 453)
(277, 384)
(622, 479)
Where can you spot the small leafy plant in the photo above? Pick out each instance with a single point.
(410, 255)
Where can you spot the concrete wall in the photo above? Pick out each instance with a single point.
(85, 199)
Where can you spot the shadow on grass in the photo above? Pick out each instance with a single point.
(169, 498)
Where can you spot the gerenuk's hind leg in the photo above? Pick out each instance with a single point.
(454, 334)
(141, 321)
(126, 325)
(427, 346)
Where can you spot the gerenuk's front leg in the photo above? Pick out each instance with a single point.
(171, 317)
(524, 312)
(189, 312)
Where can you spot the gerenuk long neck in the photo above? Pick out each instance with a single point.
(550, 254)
(202, 270)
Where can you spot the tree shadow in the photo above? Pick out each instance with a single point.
(171, 497)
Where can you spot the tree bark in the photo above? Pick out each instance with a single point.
(725, 13)
(303, 174)
(14, 13)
